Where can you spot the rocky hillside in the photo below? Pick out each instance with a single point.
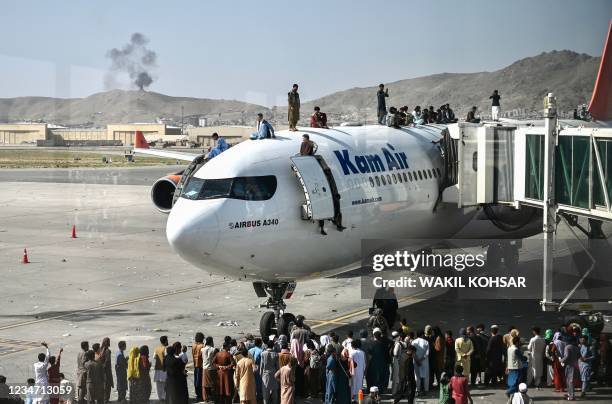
(119, 106)
(523, 84)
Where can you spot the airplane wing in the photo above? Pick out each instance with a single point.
(142, 147)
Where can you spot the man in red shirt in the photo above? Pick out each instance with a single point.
(318, 119)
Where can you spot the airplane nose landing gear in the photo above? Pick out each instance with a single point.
(276, 321)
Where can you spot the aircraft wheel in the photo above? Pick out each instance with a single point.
(267, 325)
(494, 256)
(511, 256)
(283, 323)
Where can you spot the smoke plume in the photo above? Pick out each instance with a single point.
(135, 59)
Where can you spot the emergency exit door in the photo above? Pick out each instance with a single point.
(318, 191)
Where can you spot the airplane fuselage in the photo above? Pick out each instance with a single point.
(388, 181)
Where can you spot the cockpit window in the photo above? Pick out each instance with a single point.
(192, 188)
(254, 188)
(245, 188)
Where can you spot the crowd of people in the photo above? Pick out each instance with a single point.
(379, 360)
(443, 115)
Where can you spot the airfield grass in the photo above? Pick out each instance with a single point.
(72, 159)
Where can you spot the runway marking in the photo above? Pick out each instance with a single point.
(117, 304)
(9, 346)
(338, 320)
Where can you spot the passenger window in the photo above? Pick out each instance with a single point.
(377, 181)
(389, 179)
(420, 175)
(371, 182)
(429, 172)
(394, 178)
(405, 177)
(410, 176)
(439, 173)
(382, 178)
(399, 177)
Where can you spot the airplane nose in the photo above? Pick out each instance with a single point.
(193, 229)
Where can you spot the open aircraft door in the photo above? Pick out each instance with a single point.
(322, 200)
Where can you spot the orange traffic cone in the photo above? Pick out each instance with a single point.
(360, 396)
(25, 259)
(74, 231)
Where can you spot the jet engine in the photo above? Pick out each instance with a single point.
(162, 192)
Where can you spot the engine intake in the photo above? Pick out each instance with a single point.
(162, 192)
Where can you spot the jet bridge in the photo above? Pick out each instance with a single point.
(566, 172)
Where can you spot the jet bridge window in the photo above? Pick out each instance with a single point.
(244, 188)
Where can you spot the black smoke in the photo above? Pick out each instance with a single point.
(135, 59)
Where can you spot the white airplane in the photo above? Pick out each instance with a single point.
(254, 212)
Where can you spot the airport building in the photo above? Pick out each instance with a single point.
(120, 135)
(22, 133)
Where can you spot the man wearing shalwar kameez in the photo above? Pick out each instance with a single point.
(244, 380)
(209, 372)
(81, 377)
(421, 362)
(358, 363)
(293, 98)
(537, 348)
(255, 354)
(377, 373)
(570, 363)
(159, 375)
(267, 369)
(121, 366)
(463, 349)
(556, 350)
(286, 378)
(224, 364)
(584, 363)
(399, 348)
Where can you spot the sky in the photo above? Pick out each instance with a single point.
(254, 50)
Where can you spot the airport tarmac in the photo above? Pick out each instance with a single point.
(119, 278)
(109, 176)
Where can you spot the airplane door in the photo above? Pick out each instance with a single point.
(318, 186)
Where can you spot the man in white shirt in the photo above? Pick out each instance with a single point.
(40, 375)
(358, 370)
(421, 363)
(537, 347)
(346, 344)
(209, 374)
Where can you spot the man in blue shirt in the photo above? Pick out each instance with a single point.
(264, 129)
(121, 365)
(220, 146)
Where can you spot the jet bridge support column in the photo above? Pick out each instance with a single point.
(549, 211)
